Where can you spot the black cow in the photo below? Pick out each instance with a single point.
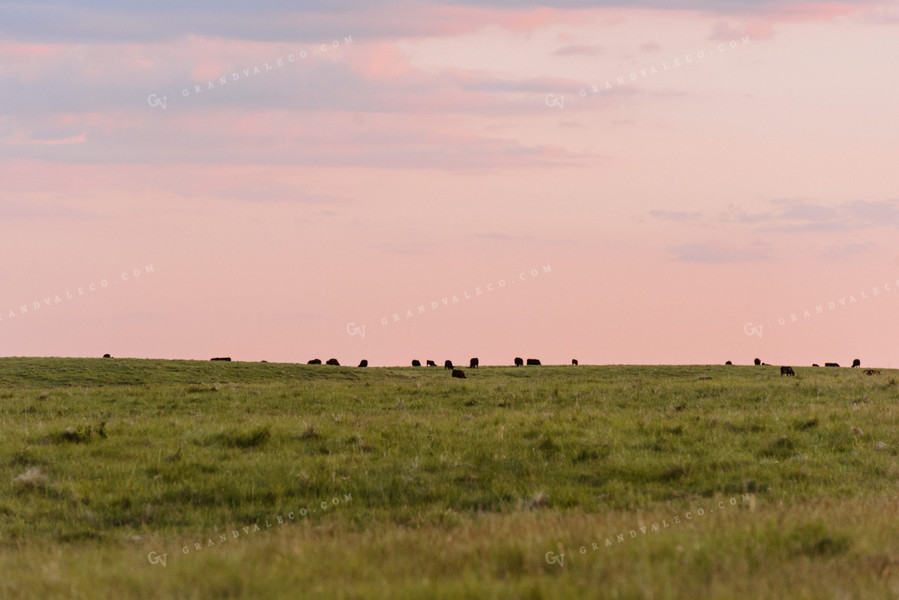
(574, 361)
(831, 364)
(228, 358)
(459, 373)
(416, 363)
(364, 363)
(758, 361)
(431, 363)
(315, 361)
(856, 363)
(519, 361)
(333, 361)
(533, 362)
(815, 365)
(728, 363)
(107, 356)
(448, 364)
(473, 363)
(787, 371)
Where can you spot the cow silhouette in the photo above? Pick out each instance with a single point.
(448, 364)
(728, 363)
(416, 363)
(364, 363)
(831, 364)
(787, 371)
(227, 358)
(459, 373)
(315, 361)
(473, 363)
(815, 365)
(519, 361)
(574, 361)
(856, 363)
(431, 363)
(533, 362)
(333, 361)
(757, 361)
(107, 356)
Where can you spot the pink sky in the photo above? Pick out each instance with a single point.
(421, 156)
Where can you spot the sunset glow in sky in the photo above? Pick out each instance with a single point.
(642, 182)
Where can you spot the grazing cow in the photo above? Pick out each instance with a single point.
(815, 365)
(519, 361)
(758, 361)
(574, 361)
(459, 373)
(856, 363)
(831, 364)
(787, 371)
(333, 361)
(473, 363)
(315, 361)
(107, 356)
(728, 363)
(431, 363)
(416, 363)
(363, 364)
(448, 364)
(228, 358)
(533, 362)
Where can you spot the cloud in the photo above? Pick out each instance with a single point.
(675, 215)
(580, 50)
(720, 252)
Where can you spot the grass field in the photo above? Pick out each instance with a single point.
(185, 479)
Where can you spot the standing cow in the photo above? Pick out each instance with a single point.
(448, 364)
(333, 362)
(519, 361)
(787, 371)
(416, 363)
(473, 363)
(758, 361)
(533, 362)
(459, 373)
(431, 363)
(315, 361)
(831, 364)
(574, 361)
(363, 364)
(856, 363)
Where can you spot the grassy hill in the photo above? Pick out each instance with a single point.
(254, 480)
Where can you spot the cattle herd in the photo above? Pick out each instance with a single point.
(789, 370)
(473, 363)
